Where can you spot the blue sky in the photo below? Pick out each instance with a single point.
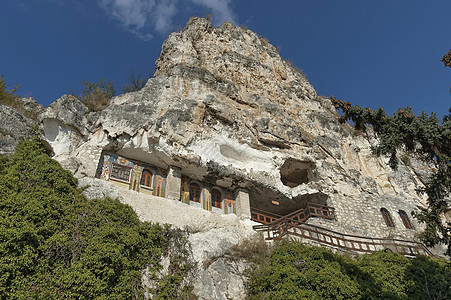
(372, 53)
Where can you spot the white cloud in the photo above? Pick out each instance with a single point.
(131, 13)
(142, 17)
(164, 13)
(220, 10)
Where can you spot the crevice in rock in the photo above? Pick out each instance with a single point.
(277, 142)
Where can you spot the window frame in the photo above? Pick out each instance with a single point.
(221, 198)
(145, 172)
(191, 194)
(130, 170)
(387, 217)
(405, 219)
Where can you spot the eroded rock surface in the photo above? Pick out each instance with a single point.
(225, 107)
(15, 125)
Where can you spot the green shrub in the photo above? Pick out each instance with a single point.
(55, 244)
(296, 271)
(9, 98)
(174, 285)
(299, 272)
(96, 95)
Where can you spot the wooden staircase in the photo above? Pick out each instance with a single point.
(276, 227)
(301, 215)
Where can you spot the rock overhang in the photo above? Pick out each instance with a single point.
(223, 104)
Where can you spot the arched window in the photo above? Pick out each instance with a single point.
(194, 192)
(405, 219)
(216, 198)
(387, 218)
(146, 178)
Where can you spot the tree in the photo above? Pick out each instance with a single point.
(447, 59)
(426, 137)
(296, 271)
(7, 97)
(11, 99)
(96, 95)
(55, 244)
(136, 82)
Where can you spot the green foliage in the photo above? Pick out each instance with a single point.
(96, 95)
(425, 136)
(295, 271)
(55, 244)
(9, 98)
(298, 272)
(174, 285)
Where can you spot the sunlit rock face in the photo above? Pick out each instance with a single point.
(224, 105)
(15, 124)
(225, 108)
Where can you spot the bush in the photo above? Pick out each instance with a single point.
(55, 244)
(96, 95)
(135, 82)
(299, 272)
(295, 271)
(9, 98)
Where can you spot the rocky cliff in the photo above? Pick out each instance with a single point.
(17, 123)
(223, 103)
(224, 107)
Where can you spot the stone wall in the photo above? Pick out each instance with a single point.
(362, 216)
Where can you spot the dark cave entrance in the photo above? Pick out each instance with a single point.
(294, 172)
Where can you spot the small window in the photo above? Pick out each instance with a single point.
(146, 178)
(216, 198)
(387, 218)
(194, 192)
(405, 219)
(120, 172)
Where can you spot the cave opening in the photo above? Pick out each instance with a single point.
(294, 172)
(273, 201)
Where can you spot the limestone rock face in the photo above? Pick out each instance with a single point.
(225, 108)
(216, 273)
(31, 106)
(14, 124)
(67, 125)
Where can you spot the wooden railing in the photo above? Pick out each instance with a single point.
(262, 216)
(301, 215)
(312, 210)
(340, 241)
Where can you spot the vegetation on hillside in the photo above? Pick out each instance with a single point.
(96, 95)
(135, 82)
(56, 244)
(9, 98)
(447, 59)
(425, 136)
(295, 271)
